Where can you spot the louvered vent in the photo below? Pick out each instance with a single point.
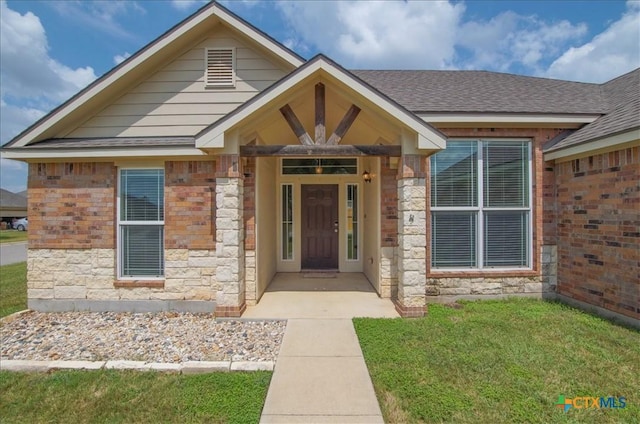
(220, 68)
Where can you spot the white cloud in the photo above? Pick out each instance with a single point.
(509, 40)
(608, 55)
(14, 119)
(99, 15)
(27, 69)
(119, 58)
(32, 83)
(366, 34)
(13, 175)
(187, 4)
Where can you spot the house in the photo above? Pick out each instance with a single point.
(12, 205)
(215, 157)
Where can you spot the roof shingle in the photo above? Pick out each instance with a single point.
(483, 91)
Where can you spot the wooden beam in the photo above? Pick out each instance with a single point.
(295, 125)
(322, 150)
(344, 125)
(320, 115)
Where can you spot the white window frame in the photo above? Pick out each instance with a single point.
(480, 211)
(223, 84)
(120, 224)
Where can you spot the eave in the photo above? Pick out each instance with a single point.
(601, 145)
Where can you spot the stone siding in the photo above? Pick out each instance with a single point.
(90, 274)
(230, 270)
(388, 272)
(598, 200)
(461, 286)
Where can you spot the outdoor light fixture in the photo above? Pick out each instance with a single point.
(366, 176)
(318, 167)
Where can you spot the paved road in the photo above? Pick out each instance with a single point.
(10, 253)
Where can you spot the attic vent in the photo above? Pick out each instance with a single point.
(220, 70)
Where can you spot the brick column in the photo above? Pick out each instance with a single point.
(230, 297)
(412, 237)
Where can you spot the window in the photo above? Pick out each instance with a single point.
(287, 221)
(220, 68)
(141, 223)
(352, 221)
(319, 166)
(480, 205)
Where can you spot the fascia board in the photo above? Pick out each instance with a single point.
(631, 138)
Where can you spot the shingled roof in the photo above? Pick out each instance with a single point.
(623, 114)
(12, 200)
(483, 91)
(618, 100)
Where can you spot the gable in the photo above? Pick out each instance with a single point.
(176, 99)
(383, 121)
(109, 88)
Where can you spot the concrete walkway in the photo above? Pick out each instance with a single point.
(11, 253)
(320, 375)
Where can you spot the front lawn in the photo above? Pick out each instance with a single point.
(13, 288)
(9, 236)
(501, 362)
(132, 397)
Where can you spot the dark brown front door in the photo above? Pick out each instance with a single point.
(320, 226)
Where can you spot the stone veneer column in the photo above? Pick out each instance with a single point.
(230, 270)
(412, 237)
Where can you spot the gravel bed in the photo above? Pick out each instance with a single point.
(151, 337)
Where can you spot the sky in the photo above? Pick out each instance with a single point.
(49, 50)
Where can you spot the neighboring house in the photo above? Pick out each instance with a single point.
(12, 205)
(215, 157)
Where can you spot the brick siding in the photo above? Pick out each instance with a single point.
(389, 204)
(598, 200)
(190, 205)
(72, 205)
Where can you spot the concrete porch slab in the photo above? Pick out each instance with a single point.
(348, 295)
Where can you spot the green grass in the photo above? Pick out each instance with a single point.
(501, 362)
(9, 236)
(132, 397)
(13, 288)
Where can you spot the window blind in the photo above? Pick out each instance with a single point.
(454, 175)
(454, 240)
(506, 178)
(141, 223)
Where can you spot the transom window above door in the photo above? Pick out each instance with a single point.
(328, 166)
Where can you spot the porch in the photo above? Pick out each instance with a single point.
(312, 296)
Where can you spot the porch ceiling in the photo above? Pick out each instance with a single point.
(268, 127)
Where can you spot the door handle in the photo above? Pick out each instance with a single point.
(335, 226)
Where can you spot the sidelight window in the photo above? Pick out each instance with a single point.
(352, 221)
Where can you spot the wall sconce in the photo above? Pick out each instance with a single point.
(318, 167)
(366, 176)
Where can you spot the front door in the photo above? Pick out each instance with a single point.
(320, 226)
